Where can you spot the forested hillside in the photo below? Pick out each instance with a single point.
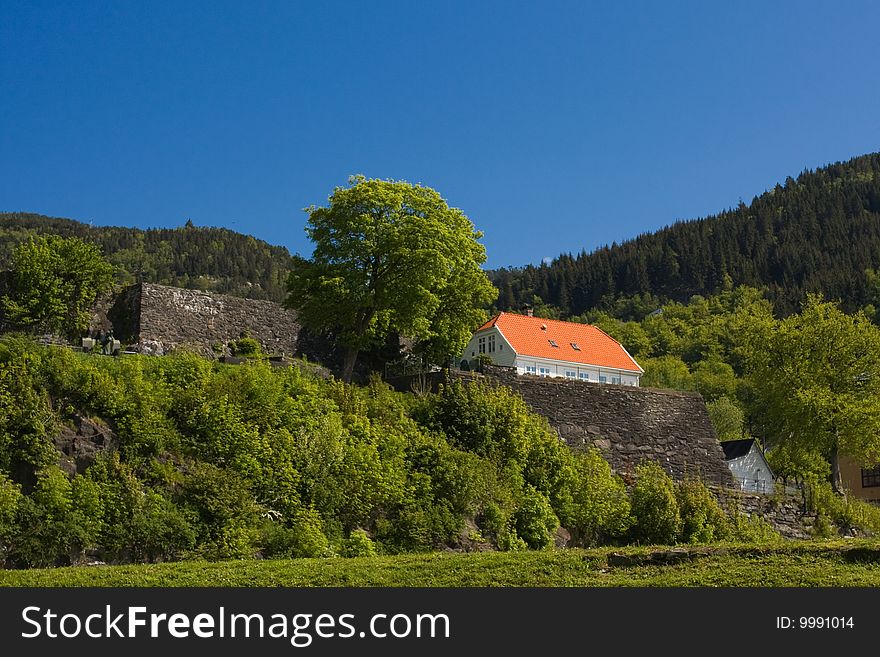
(818, 233)
(214, 259)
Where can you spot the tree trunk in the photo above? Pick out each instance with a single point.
(351, 355)
(836, 480)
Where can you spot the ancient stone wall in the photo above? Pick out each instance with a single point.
(783, 511)
(629, 424)
(155, 319)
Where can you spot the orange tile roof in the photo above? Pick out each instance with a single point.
(530, 336)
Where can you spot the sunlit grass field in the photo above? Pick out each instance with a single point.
(800, 564)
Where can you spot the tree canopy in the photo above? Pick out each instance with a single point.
(54, 284)
(816, 376)
(390, 256)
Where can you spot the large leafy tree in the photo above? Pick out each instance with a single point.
(816, 381)
(54, 284)
(391, 256)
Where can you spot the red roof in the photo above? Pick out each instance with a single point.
(531, 336)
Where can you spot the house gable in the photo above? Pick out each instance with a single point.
(748, 465)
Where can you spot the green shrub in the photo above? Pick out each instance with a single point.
(10, 497)
(508, 541)
(159, 530)
(139, 523)
(846, 512)
(26, 417)
(535, 521)
(752, 529)
(654, 506)
(52, 530)
(225, 509)
(246, 348)
(517, 447)
(419, 526)
(823, 527)
(858, 514)
(702, 519)
(601, 509)
(303, 537)
(358, 544)
(491, 421)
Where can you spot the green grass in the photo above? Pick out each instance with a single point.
(819, 563)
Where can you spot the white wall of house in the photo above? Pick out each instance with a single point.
(752, 472)
(492, 343)
(591, 373)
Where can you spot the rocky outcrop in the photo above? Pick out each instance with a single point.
(80, 443)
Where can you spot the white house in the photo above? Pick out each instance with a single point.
(748, 465)
(549, 347)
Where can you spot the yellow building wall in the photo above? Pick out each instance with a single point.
(851, 473)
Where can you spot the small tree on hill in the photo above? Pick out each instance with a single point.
(54, 284)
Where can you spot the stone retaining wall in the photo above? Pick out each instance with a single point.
(628, 424)
(784, 512)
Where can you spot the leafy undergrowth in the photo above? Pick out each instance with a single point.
(819, 563)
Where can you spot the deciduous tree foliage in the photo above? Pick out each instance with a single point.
(816, 376)
(391, 256)
(55, 282)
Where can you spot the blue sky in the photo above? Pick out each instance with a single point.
(554, 126)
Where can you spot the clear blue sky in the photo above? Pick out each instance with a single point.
(554, 126)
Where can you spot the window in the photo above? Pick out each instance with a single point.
(531, 369)
(871, 477)
(481, 342)
(491, 344)
(570, 375)
(574, 345)
(615, 379)
(603, 378)
(584, 376)
(544, 371)
(553, 343)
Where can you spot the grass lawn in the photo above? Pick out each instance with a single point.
(816, 563)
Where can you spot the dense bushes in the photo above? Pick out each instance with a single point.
(655, 506)
(845, 512)
(601, 510)
(216, 461)
(668, 512)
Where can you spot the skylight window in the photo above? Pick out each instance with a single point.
(574, 345)
(553, 343)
